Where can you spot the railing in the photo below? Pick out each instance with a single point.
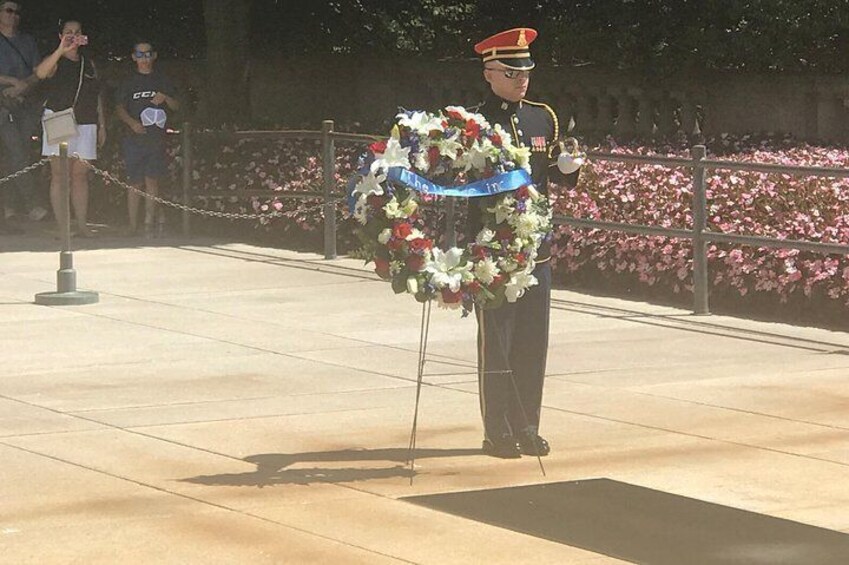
(328, 138)
(700, 235)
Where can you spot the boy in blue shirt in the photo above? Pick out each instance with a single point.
(144, 101)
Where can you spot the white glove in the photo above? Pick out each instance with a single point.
(568, 164)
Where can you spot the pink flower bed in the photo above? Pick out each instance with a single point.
(771, 205)
(782, 206)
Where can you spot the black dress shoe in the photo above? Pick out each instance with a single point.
(533, 444)
(504, 448)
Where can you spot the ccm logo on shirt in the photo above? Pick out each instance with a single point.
(144, 94)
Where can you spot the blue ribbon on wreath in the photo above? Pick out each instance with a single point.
(504, 182)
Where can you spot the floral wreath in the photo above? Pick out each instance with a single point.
(455, 147)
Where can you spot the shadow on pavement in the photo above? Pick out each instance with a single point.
(275, 468)
(646, 526)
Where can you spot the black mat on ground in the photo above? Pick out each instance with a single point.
(647, 526)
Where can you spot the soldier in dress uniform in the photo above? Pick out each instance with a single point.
(513, 338)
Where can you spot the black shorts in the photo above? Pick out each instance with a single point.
(144, 158)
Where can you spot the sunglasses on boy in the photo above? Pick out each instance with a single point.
(144, 54)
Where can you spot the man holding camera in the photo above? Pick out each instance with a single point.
(18, 115)
(143, 103)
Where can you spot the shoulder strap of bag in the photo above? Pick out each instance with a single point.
(18, 51)
(80, 85)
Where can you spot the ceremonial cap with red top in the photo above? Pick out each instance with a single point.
(510, 48)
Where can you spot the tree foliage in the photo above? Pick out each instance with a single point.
(657, 36)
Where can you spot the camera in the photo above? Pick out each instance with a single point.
(81, 39)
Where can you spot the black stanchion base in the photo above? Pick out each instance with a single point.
(75, 298)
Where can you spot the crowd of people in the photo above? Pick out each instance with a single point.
(34, 87)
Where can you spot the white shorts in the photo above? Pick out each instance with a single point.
(84, 145)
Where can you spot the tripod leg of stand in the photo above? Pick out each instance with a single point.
(423, 337)
(526, 421)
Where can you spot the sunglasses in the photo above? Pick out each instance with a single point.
(510, 73)
(144, 54)
(15, 11)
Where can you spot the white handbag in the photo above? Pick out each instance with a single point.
(62, 125)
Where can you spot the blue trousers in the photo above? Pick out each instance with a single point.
(512, 351)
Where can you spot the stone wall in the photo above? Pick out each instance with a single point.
(365, 93)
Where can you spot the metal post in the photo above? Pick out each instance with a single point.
(66, 277)
(186, 147)
(701, 306)
(450, 222)
(329, 174)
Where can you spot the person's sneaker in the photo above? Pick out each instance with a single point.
(37, 214)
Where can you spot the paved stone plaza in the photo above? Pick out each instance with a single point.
(226, 403)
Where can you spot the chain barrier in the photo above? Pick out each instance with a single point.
(112, 179)
(25, 170)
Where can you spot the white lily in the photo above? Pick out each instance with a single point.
(478, 156)
(449, 147)
(420, 122)
(508, 265)
(412, 285)
(393, 156)
(384, 236)
(361, 211)
(392, 209)
(446, 270)
(521, 156)
(370, 184)
(410, 206)
(415, 234)
(485, 236)
(422, 162)
(503, 209)
(518, 284)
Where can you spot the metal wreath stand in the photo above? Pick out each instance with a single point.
(424, 333)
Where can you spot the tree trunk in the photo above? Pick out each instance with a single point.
(227, 96)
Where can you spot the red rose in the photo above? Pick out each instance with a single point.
(479, 252)
(415, 263)
(395, 244)
(496, 140)
(420, 245)
(454, 115)
(449, 297)
(433, 156)
(381, 267)
(504, 232)
(402, 230)
(523, 193)
(378, 147)
(497, 281)
(473, 129)
(474, 286)
(521, 258)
